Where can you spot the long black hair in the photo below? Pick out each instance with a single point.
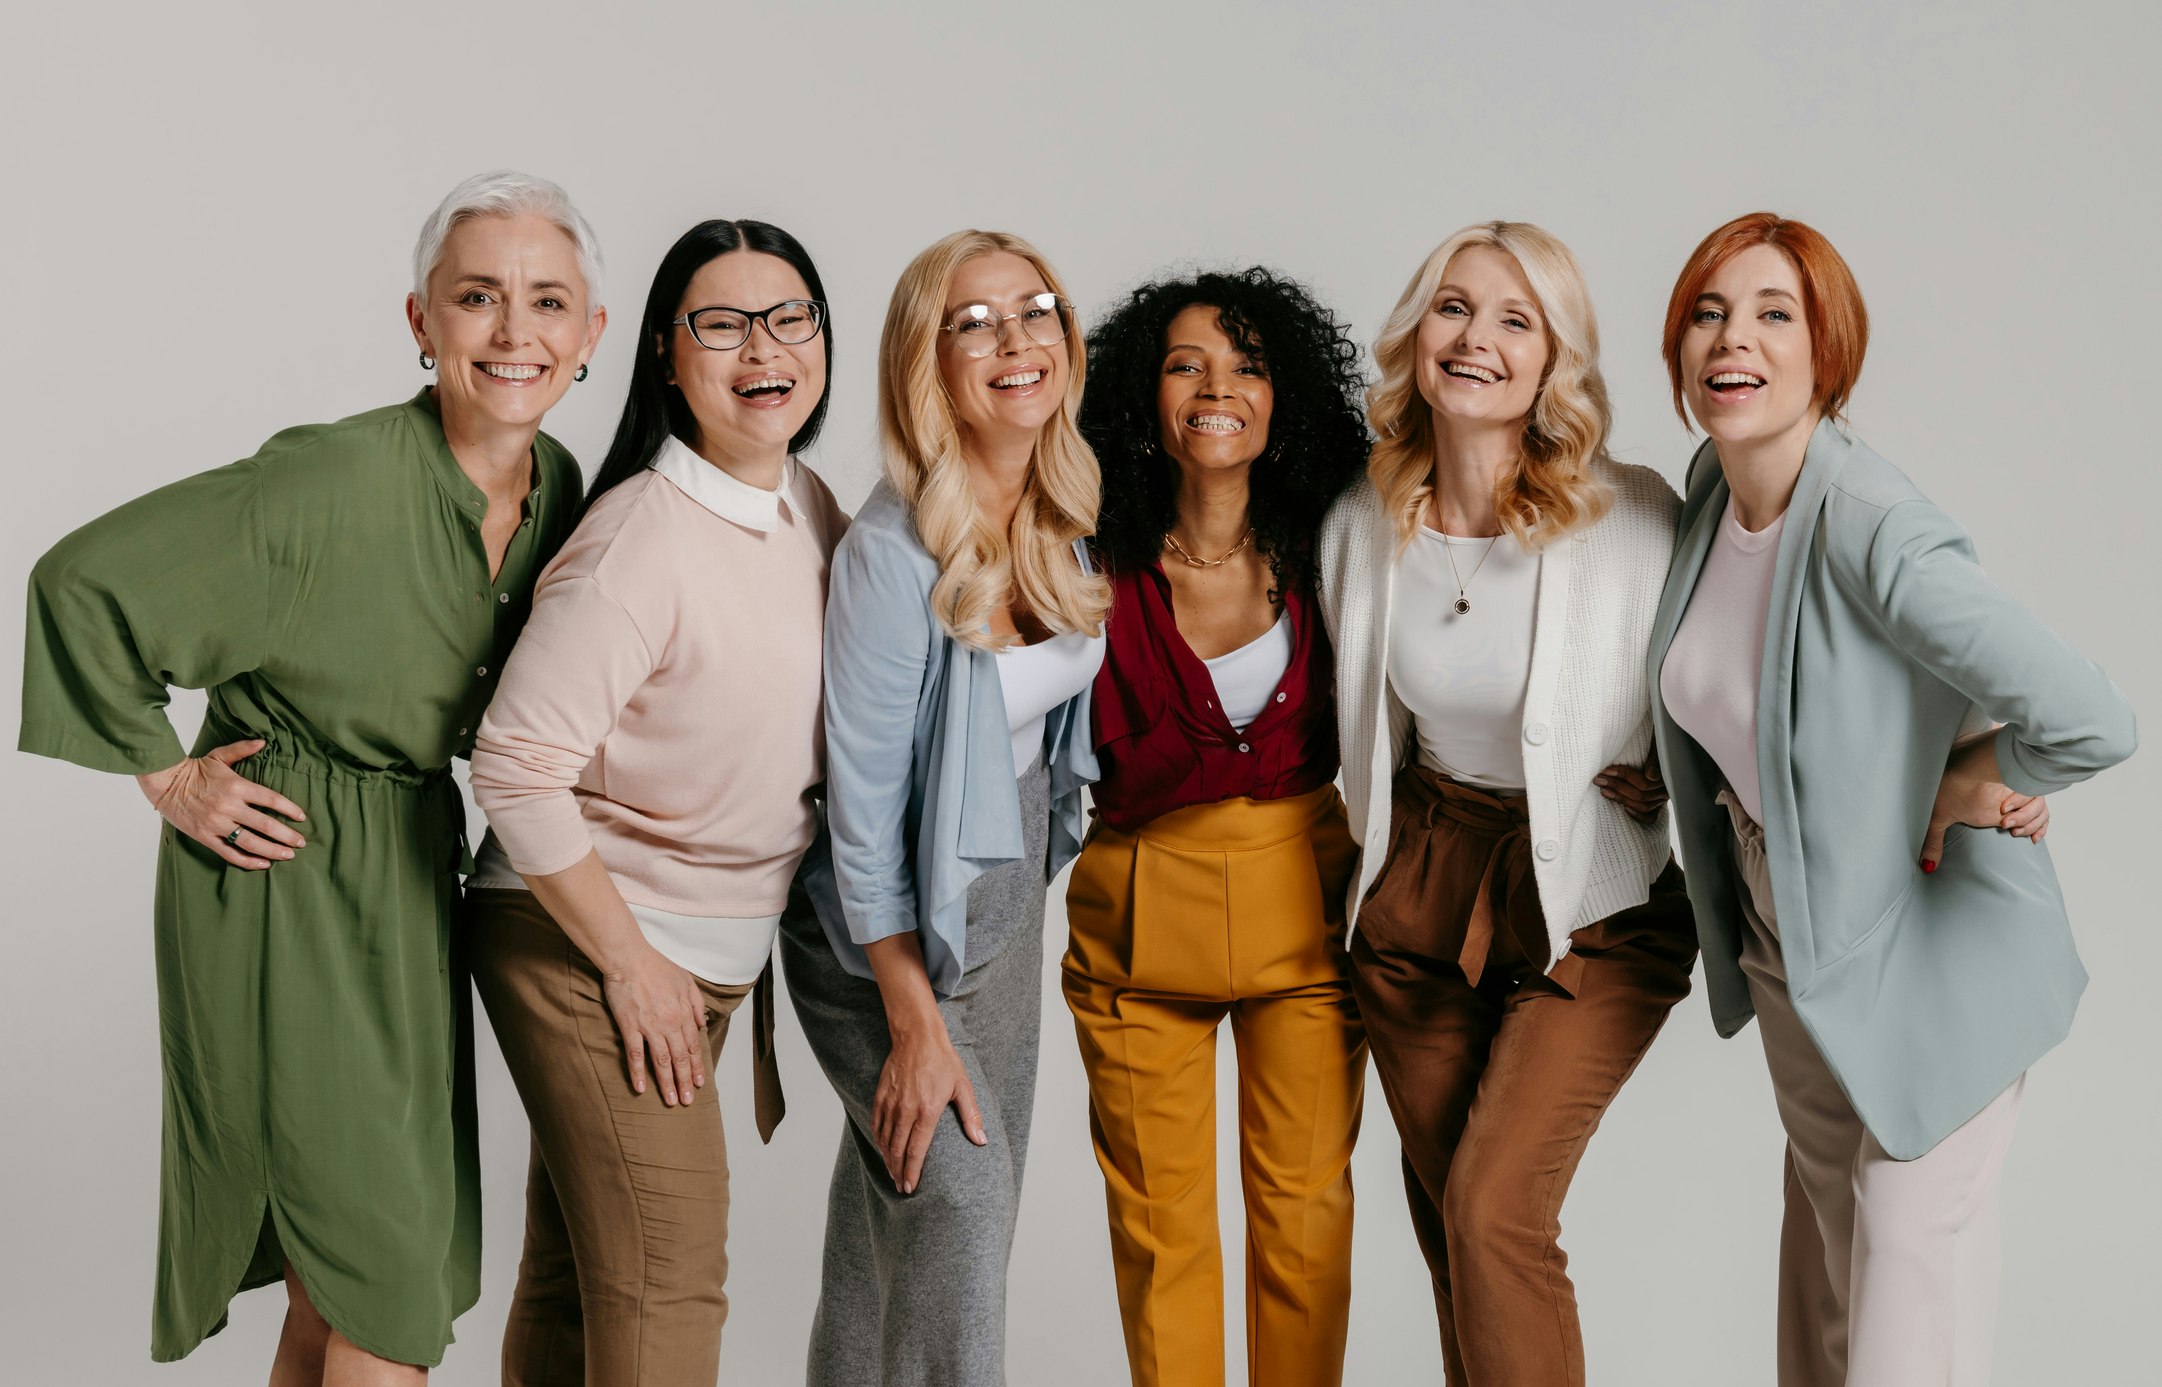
(656, 410)
(1317, 432)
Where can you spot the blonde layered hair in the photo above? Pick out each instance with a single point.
(1554, 486)
(979, 566)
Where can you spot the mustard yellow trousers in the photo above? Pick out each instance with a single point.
(1230, 909)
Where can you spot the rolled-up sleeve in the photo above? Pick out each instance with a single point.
(578, 662)
(172, 590)
(878, 642)
(2063, 719)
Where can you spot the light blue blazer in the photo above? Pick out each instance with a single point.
(1926, 994)
(920, 779)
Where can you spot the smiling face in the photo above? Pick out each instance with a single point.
(1747, 371)
(1213, 401)
(506, 320)
(1002, 400)
(748, 401)
(1482, 347)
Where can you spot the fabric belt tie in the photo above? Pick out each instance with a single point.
(1508, 860)
(769, 1103)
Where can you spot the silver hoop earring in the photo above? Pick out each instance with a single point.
(427, 362)
(581, 373)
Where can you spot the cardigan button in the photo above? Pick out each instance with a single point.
(1281, 697)
(1535, 733)
(1548, 849)
(1244, 747)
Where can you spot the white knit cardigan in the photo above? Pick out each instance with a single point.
(1587, 706)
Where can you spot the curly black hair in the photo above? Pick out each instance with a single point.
(1317, 432)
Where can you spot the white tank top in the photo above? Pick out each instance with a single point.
(1246, 678)
(1037, 678)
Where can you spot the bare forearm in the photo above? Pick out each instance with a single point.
(584, 901)
(904, 984)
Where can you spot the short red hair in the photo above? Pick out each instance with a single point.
(1832, 301)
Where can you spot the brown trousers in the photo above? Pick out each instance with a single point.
(626, 1199)
(1497, 1070)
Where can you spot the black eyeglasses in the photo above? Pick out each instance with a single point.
(720, 329)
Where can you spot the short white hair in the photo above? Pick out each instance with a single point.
(505, 193)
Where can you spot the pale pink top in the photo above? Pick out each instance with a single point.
(663, 704)
(1710, 676)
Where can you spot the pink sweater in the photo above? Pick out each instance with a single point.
(662, 706)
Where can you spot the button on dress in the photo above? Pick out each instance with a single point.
(332, 594)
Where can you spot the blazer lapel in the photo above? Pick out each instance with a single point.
(1701, 508)
(1828, 450)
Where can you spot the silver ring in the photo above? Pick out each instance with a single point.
(232, 840)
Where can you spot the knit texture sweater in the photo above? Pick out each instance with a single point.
(1587, 705)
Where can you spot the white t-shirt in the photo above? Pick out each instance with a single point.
(1463, 675)
(1037, 678)
(1246, 678)
(1710, 676)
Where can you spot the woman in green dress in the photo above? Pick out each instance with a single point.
(346, 596)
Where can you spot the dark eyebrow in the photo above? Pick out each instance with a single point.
(1712, 297)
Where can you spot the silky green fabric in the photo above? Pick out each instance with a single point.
(332, 594)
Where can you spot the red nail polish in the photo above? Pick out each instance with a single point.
(1928, 866)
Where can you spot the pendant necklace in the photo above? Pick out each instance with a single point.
(1462, 603)
(1192, 562)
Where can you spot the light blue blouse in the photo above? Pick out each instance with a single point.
(920, 774)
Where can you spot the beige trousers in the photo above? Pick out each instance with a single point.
(1887, 1269)
(626, 1198)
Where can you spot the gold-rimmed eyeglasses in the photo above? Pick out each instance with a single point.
(720, 329)
(1044, 319)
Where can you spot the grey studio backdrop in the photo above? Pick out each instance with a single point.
(209, 214)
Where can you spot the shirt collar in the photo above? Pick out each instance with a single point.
(728, 498)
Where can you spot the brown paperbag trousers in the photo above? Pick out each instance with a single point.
(626, 1231)
(1497, 1069)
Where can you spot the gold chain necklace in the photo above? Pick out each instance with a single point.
(1192, 562)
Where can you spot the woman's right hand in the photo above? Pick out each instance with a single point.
(661, 1015)
(205, 798)
(922, 1077)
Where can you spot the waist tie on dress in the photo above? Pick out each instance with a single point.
(1432, 799)
(437, 789)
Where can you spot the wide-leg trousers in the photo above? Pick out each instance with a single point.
(1222, 910)
(914, 1286)
(1887, 1269)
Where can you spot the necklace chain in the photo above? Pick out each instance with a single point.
(1463, 599)
(1192, 562)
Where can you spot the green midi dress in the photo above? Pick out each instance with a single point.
(332, 594)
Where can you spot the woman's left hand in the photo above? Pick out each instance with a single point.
(1641, 792)
(1971, 794)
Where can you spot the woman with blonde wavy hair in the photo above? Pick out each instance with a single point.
(1521, 929)
(963, 628)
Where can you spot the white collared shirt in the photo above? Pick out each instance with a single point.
(719, 491)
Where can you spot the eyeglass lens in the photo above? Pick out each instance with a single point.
(724, 329)
(977, 326)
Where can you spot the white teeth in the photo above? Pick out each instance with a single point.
(1018, 378)
(503, 371)
(766, 382)
(1736, 378)
(1216, 423)
(1460, 368)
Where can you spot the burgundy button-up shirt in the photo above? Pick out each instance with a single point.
(1162, 740)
